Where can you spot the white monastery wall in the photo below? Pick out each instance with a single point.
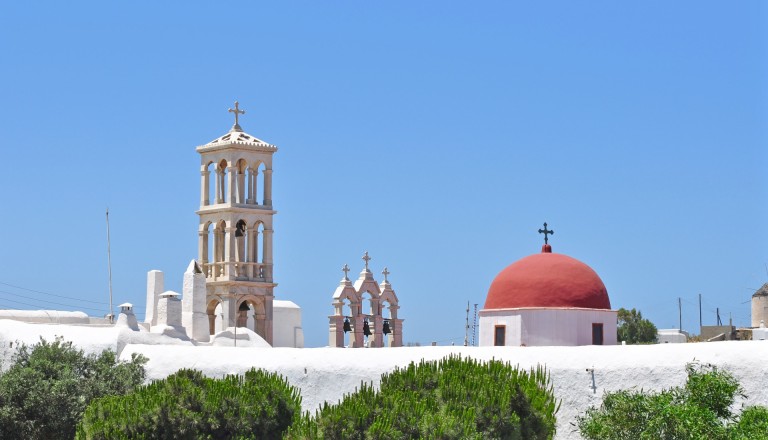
(326, 374)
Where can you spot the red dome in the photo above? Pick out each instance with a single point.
(547, 280)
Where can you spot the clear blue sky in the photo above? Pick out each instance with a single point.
(438, 136)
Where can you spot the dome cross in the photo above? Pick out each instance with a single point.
(237, 113)
(366, 258)
(546, 232)
(385, 272)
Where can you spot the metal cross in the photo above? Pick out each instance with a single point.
(345, 269)
(546, 232)
(385, 272)
(366, 258)
(237, 112)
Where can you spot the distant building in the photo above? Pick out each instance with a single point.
(672, 336)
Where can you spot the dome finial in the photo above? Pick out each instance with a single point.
(546, 248)
(237, 113)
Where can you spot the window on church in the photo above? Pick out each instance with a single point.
(500, 333)
(597, 334)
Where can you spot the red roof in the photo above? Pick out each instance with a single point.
(547, 280)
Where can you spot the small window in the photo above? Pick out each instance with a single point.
(499, 335)
(597, 334)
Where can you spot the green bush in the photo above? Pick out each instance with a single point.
(700, 409)
(188, 405)
(453, 398)
(49, 384)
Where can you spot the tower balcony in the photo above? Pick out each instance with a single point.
(238, 271)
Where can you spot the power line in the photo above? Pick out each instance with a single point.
(53, 294)
(46, 302)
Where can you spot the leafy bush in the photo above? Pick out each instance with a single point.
(188, 405)
(700, 409)
(453, 398)
(48, 386)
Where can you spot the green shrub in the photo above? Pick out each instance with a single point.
(49, 384)
(700, 409)
(453, 398)
(188, 405)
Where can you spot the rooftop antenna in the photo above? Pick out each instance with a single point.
(466, 328)
(111, 316)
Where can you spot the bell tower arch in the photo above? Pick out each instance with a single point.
(235, 232)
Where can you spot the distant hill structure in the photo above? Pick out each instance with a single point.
(547, 299)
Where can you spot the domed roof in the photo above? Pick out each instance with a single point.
(547, 280)
(239, 137)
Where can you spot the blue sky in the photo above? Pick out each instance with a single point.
(438, 136)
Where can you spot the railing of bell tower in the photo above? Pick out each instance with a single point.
(244, 271)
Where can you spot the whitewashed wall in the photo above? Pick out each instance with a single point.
(547, 326)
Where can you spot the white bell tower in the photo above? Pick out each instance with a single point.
(235, 248)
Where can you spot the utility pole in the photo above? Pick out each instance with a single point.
(680, 312)
(111, 316)
(700, 324)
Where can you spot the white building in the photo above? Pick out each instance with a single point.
(547, 299)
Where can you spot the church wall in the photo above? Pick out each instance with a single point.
(287, 325)
(550, 326)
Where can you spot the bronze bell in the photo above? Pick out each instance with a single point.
(386, 330)
(347, 325)
(366, 328)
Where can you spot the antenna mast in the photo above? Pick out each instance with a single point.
(466, 328)
(111, 316)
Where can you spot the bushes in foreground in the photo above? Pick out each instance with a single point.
(699, 409)
(188, 405)
(49, 384)
(452, 398)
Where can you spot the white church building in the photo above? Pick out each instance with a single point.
(547, 299)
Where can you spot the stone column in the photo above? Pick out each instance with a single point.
(232, 171)
(267, 257)
(358, 331)
(336, 331)
(240, 187)
(202, 246)
(229, 251)
(251, 194)
(268, 187)
(205, 187)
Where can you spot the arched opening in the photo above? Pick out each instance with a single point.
(368, 308)
(221, 181)
(251, 314)
(242, 169)
(254, 234)
(215, 317)
(260, 168)
(388, 322)
(240, 248)
(347, 310)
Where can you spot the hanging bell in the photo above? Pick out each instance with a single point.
(347, 325)
(366, 328)
(386, 330)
